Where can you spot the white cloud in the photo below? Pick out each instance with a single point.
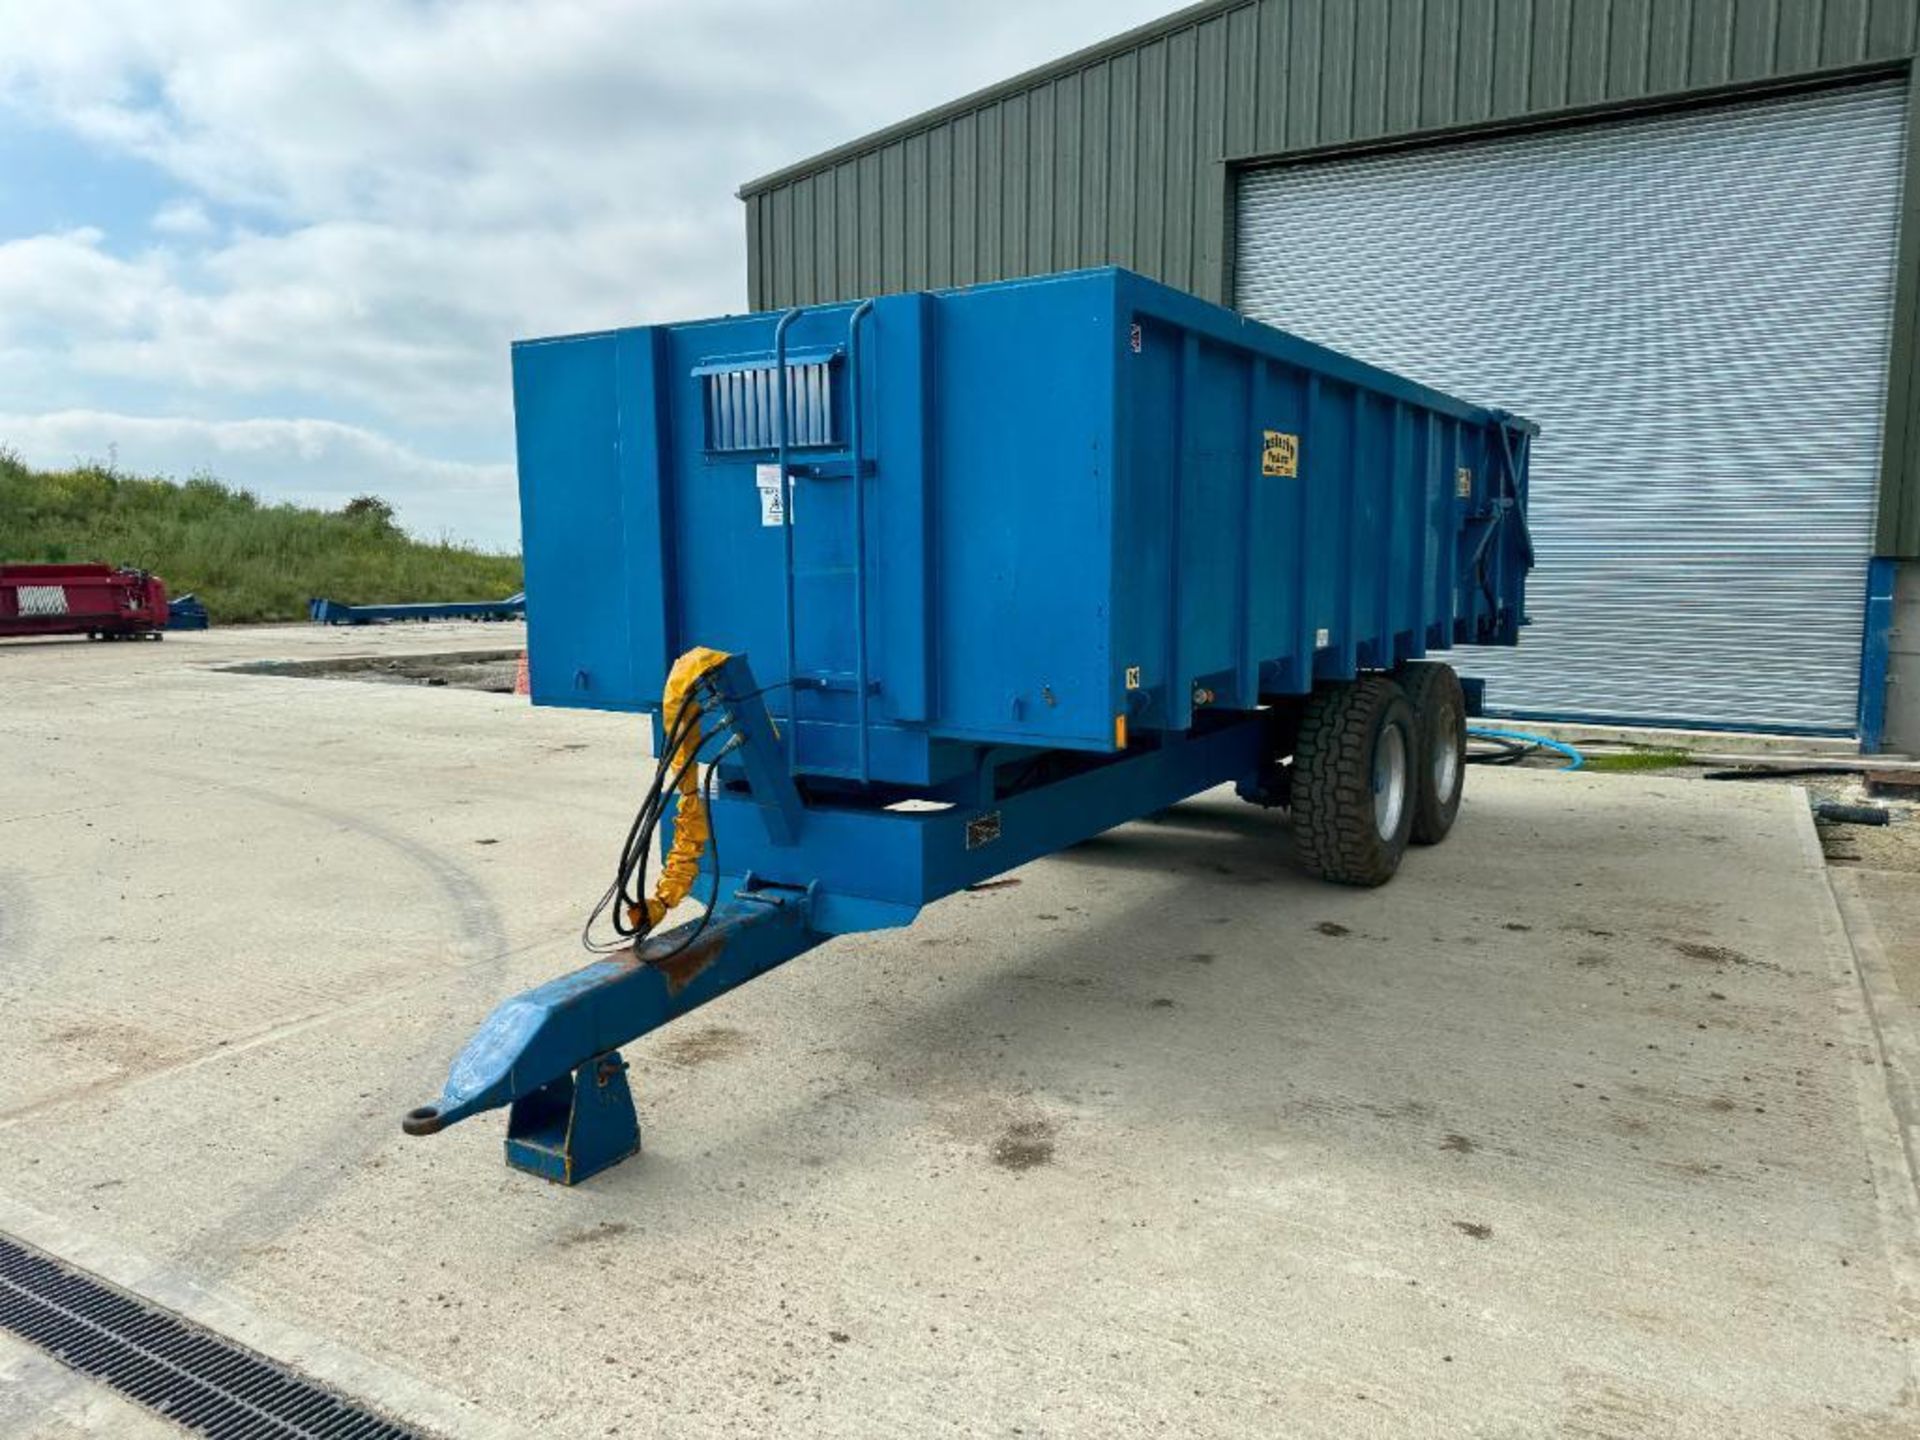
(310, 462)
(403, 189)
(182, 217)
(58, 285)
(411, 325)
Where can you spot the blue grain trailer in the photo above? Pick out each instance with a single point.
(918, 589)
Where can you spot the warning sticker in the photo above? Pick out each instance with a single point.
(1463, 482)
(766, 479)
(1279, 454)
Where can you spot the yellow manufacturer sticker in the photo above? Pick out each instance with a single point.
(1280, 454)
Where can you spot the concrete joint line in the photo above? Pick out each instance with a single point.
(1875, 1020)
(1896, 1027)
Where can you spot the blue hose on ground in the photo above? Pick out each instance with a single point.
(1521, 737)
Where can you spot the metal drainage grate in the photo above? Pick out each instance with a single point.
(192, 1376)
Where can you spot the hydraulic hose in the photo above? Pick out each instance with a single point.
(1531, 742)
(690, 822)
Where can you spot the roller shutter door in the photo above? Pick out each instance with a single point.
(1696, 308)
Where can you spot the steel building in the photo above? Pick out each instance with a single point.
(1689, 212)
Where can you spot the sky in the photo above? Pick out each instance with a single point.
(288, 244)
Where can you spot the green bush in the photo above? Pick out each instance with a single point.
(246, 559)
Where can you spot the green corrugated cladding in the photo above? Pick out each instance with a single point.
(1124, 152)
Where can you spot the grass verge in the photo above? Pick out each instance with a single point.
(1628, 761)
(247, 559)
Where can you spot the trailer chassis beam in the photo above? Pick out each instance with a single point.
(552, 1055)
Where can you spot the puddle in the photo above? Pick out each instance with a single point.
(490, 670)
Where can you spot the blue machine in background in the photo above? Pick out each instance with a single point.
(187, 612)
(322, 611)
(982, 573)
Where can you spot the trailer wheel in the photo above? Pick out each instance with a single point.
(1440, 754)
(1353, 781)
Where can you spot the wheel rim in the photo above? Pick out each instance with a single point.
(1389, 781)
(1446, 755)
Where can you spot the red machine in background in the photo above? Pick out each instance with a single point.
(103, 601)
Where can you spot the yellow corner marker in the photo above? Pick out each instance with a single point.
(690, 826)
(1120, 732)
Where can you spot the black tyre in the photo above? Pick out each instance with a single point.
(1440, 752)
(1353, 781)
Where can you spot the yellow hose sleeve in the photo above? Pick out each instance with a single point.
(691, 826)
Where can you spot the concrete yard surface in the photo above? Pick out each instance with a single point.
(1581, 1127)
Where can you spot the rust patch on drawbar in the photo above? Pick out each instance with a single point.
(682, 969)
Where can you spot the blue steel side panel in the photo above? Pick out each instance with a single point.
(640, 391)
(1354, 563)
(1066, 519)
(1022, 513)
(1218, 453)
(901, 500)
(581, 647)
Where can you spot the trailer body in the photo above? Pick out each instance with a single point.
(105, 601)
(1088, 498)
(957, 580)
